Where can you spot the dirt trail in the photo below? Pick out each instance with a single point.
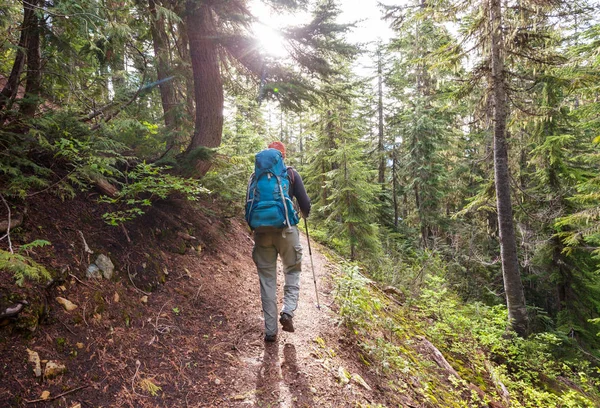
(195, 341)
(302, 369)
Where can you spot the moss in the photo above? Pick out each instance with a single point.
(126, 318)
(61, 343)
(100, 303)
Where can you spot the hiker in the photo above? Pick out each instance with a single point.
(273, 218)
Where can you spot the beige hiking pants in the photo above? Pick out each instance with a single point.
(267, 245)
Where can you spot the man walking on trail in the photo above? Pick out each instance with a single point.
(273, 219)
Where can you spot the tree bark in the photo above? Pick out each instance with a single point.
(395, 186)
(380, 148)
(515, 298)
(208, 84)
(33, 77)
(9, 92)
(168, 97)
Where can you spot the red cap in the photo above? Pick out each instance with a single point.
(279, 146)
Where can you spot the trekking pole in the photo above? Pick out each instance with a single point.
(311, 264)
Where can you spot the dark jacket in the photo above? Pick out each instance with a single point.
(297, 190)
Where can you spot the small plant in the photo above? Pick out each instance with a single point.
(176, 310)
(148, 385)
(23, 267)
(148, 182)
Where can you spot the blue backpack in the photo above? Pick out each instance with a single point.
(268, 202)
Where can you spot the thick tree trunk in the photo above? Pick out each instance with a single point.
(9, 92)
(208, 84)
(34, 60)
(515, 298)
(168, 96)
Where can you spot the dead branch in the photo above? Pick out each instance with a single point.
(86, 248)
(80, 281)
(185, 236)
(13, 310)
(135, 287)
(437, 356)
(105, 187)
(126, 233)
(7, 235)
(58, 396)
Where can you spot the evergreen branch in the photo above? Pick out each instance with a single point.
(521, 108)
(535, 59)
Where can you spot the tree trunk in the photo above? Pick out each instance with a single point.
(208, 84)
(183, 46)
(168, 96)
(34, 59)
(12, 84)
(422, 224)
(395, 186)
(380, 149)
(515, 298)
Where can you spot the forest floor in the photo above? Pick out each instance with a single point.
(195, 340)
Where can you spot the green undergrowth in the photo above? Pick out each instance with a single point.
(22, 266)
(493, 365)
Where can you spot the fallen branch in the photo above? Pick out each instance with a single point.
(68, 328)
(57, 396)
(438, 357)
(125, 232)
(13, 310)
(80, 281)
(86, 248)
(8, 225)
(105, 187)
(135, 287)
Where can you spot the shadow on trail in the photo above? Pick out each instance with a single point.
(296, 381)
(268, 378)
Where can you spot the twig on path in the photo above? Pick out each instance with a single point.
(126, 233)
(239, 339)
(83, 313)
(7, 235)
(135, 287)
(80, 281)
(197, 294)
(161, 328)
(19, 382)
(57, 396)
(137, 368)
(68, 328)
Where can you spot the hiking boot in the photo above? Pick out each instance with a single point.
(270, 338)
(287, 322)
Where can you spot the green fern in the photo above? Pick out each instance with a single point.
(23, 267)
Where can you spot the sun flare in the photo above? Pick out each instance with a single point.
(271, 42)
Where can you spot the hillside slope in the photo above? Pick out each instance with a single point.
(179, 325)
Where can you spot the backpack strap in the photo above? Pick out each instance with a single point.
(290, 173)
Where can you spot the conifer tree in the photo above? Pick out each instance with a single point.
(421, 116)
